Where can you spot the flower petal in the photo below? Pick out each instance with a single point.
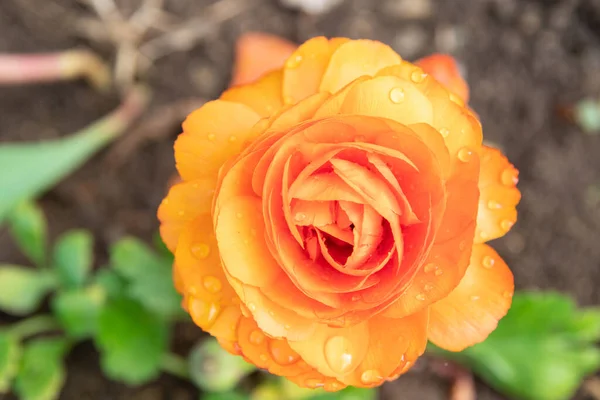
(354, 59)
(394, 344)
(472, 311)
(499, 196)
(212, 135)
(259, 53)
(209, 298)
(263, 96)
(444, 69)
(304, 70)
(183, 204)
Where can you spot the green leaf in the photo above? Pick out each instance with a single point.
(112, 283)
(10, 355)
(131, 340)
(22, 289)
(42, 373)
(73, 257)
(542, 349)
(350, 393)
(226, 396)
(149, 276)
(77, 310)
(27, 225)
(36, 166)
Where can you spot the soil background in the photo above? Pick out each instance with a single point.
(523, 59)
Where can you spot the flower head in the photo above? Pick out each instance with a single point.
(333, 214)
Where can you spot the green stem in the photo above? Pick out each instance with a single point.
(34, 325)
(175, 365)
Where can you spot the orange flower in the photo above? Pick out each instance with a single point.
(332, 217)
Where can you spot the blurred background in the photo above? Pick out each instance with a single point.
(528, 63)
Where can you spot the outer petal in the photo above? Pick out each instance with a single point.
(304, 70)
(183, 204)
(257, 54)
(209, 298)
(499, 196)
(263, 96)
(444, 69)
(472, 311)
(394, 344)
(211, 135)
(355, 59)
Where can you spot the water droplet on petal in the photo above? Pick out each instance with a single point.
(438, 272)
(294, 61)
(418, 76)
(462, 245)
(494, 205)
(371, 376)
(488, 262)
(314, 383)
(428, 287)
(445, 132)
(506, 224)
(204, 313)
(465, 154)
(430, 268)
(212, 284)
(288, 100)
(509, 177)
(200, 250)
(420, 297)
(239, 215)
(475, 298)
(508, 295)
(282, 353)
(257, 337)
(397, 95)
(211, 136)
(181, 213)
(232, 138)
(263, 357)
(338, 354)
(300, 216)
(252, 307)
(356, 297)
(483, 235)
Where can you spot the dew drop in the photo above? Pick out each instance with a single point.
(420, 297)
(508, 295)
(397, 95)
(211, 136)
(193, 290)
(282, 353)
(333, 386)
(509, 177)
(288, 100)
(430, 268)
(294, 61)
(203, 313)
(494, 205)
(257, 337)
(232, 138)
(475, 298)
(239, 215)
(263, 357)
(445, 132)
(438, 272)
(338, 354)
(181, 213)
(418, 76)
(462, 245)
(465, 154)
(212, 284)
(356, 297)
(428, 287)
(360, 138)
(314, 383)
(371, 376)
(252, 307)
(300, 217)
(506, 224)
(200, 250)
(488, 262)
(483, 235)
(253, 232)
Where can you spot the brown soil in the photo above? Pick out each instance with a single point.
(523, 58)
